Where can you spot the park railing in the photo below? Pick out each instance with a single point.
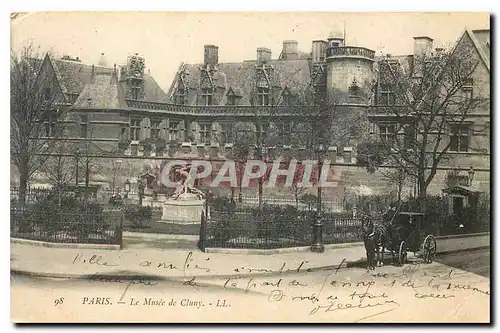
(273, 228)
(103, 227)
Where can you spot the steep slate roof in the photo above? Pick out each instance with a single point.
(240, 76)
(76, 77)
(103, 92)
(481, 40)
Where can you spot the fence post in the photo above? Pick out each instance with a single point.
(119, 232)
(204, 219)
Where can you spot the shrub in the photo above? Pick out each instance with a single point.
(140, 216)
(310, 200)
(57, 211)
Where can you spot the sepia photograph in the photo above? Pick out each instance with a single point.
(250, 167)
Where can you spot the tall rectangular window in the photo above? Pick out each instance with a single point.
(409, 136)
(50, 125)
(460, 137)
(47, 94)
(84, 122)
(173, 131)
(155, 128)
(387, 95)
(468, 88)
(263, 96)
(207, 96)
(387, 132)
(135, 128)
(205, 133)
(286, 133)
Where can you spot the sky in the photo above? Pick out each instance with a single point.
(166, 39)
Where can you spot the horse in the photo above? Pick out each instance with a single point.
(374, 239)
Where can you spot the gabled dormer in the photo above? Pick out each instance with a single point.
(233, 96)
(181, 92)
(264, 78)
(288, 97)
(208, 90)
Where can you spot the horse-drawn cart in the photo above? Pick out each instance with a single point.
(405, 233)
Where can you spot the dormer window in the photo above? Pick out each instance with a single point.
(232, 98)
(135, 92)
(180, 96)
(262, 96)
(287, 97)
(207, 96)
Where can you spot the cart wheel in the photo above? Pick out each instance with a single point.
(402, 253)
(429, 248)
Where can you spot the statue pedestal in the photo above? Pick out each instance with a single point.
(186, 209)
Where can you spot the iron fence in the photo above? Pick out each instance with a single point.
(250, 228)
(67, 227)
(327, 205)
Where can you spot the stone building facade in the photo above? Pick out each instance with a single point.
(123, 112)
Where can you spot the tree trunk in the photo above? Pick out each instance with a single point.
(23, 186)
(232, 193)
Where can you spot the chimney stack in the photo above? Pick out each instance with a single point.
(422, 48)
(290, 50)
(318, 51)
(211, 55)
(263, 55)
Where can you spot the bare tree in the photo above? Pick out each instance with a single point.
(59, 168)
(396, 177)
(36, 110)
(424, 103)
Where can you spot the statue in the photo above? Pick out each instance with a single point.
(184, 189)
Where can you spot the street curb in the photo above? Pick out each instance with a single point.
(279, 251)
(464, 250)
(65, 245)
(105, 276)
(352, 263)
(145, 235)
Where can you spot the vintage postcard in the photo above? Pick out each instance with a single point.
(301, 167)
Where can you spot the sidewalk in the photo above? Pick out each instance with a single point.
(169, 263)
